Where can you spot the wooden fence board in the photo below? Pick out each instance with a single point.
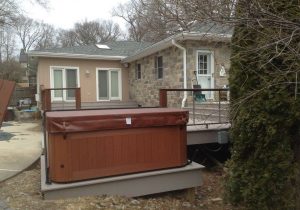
(6, 90)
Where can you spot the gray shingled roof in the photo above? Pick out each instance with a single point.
(117, 48)
(212, 28)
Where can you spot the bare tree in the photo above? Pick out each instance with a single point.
(130, 12)
(66, 38)
(28, 31)
(8, 45)
(11, 70)
(153, 20)
(48, 38)
(43, 3)
(8, 10)
(90, 32)
(108, 31)
(86, 32)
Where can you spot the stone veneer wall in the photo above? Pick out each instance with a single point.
(145, 91)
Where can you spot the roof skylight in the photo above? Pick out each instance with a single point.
(103, 46)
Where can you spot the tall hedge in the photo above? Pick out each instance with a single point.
(262, 172)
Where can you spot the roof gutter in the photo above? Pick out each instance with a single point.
(184, 72)
(74, 56)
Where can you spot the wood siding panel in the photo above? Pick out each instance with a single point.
(88, 155)
(6, 90)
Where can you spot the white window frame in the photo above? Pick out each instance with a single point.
(110, 98)
(63, 68)
(138, 71)
(157, 68)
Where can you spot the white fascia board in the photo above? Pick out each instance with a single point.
(74, 56)
(206, 37)
(178, 37)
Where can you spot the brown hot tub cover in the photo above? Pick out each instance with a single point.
(96, 120)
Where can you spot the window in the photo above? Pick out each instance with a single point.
(109, 84)
(64, 77)
(159, 67)
(203, 63)
(138, 72)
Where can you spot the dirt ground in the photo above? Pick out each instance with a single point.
(22, 192)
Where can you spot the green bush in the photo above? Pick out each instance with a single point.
(265, 114)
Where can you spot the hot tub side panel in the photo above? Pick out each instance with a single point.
(87, 155)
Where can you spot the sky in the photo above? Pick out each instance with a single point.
(64, 13)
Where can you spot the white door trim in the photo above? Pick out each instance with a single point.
(63, 68)
(212, 68)
(109, 84)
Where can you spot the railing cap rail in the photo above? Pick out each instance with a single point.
(61, 88)
(195, 89)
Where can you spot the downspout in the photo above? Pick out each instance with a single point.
(184, 72)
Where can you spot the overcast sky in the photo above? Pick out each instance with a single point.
(64, 13)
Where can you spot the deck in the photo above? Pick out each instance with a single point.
(132, 185)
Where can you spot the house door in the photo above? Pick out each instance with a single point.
(64, 78)
(205, 72)
(109, 84)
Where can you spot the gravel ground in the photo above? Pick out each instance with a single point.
(22, 192)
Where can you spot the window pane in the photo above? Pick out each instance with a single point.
(58, 82)
(138, 73)
(160, 73)
(103, 84)
(71, 82)
(114, 84)
(201, 66)
(208, 67)
(160, 62)
(160, 67)
(204, 64)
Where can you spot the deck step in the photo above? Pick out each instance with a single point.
(132, 185)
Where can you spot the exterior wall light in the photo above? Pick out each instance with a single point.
(87, 73)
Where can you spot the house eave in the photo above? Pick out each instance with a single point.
(74, 56)
(178, 37)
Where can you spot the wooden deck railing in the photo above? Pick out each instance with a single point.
(46, 97)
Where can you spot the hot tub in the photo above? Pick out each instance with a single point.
(89, 144)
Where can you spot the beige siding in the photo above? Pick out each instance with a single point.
(87, 83)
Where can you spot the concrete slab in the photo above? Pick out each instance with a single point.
(132, 185)
(20, 146)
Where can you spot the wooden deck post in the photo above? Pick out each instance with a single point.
(78, 98)
(46, 99)
(163, 100)
(42, 96)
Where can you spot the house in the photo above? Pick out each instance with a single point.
(128, 71)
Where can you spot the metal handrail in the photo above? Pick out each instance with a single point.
(163, 101)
